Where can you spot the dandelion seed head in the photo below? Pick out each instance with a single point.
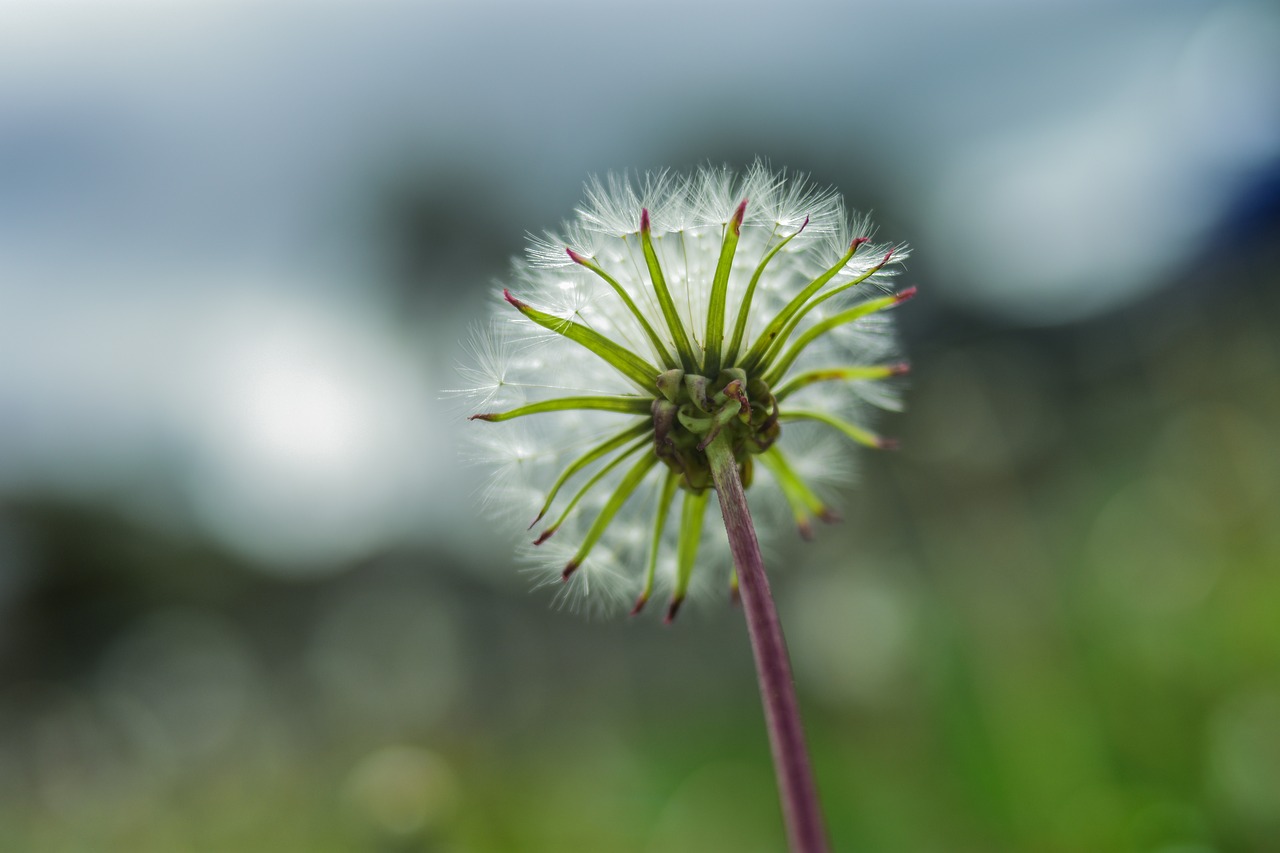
(671, 310)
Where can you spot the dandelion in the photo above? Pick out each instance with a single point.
(667, 344)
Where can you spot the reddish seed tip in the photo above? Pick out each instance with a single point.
(672, 609)
(888, 443)
(644, 220)
(906, 294)
(546, 534)
(484, 417)
(568, 570)
(639, 605)
(803, 225)
(899, 369)
(887, 256)
(506, 294)
(738, 216)
(857, 241)
(734, 391)
(574, 256)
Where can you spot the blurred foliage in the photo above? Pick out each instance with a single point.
(1052, 622)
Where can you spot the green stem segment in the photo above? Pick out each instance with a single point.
(691, 514)
(628, 485)
(620, 358)
(780, 368)
(683, 349)
(855, 373)
(720, 293)
(799, 496)
(781, 340)
(851, 431)
(626, 405)
(806, 829)
(756, 354)
(658, 346)
(587, 487)
(603, 449)
(740, 327)
(665, 496)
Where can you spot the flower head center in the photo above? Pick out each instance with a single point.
(693, 410)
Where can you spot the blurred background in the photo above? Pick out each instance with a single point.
(247, 601)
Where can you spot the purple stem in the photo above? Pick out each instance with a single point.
(806, 830)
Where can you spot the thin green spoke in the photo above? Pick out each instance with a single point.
(762, 344)
(781, 340)
(740, 327)
(659, 347)
(810, 335)
(854, 433)
(687, 359)
(587, 486)
(720, 293)
(799, 496)
(601, 449)
(630, 480)
(620, 358)
(695, 506)
(665, 497)
(860, 373)
(626, 405)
